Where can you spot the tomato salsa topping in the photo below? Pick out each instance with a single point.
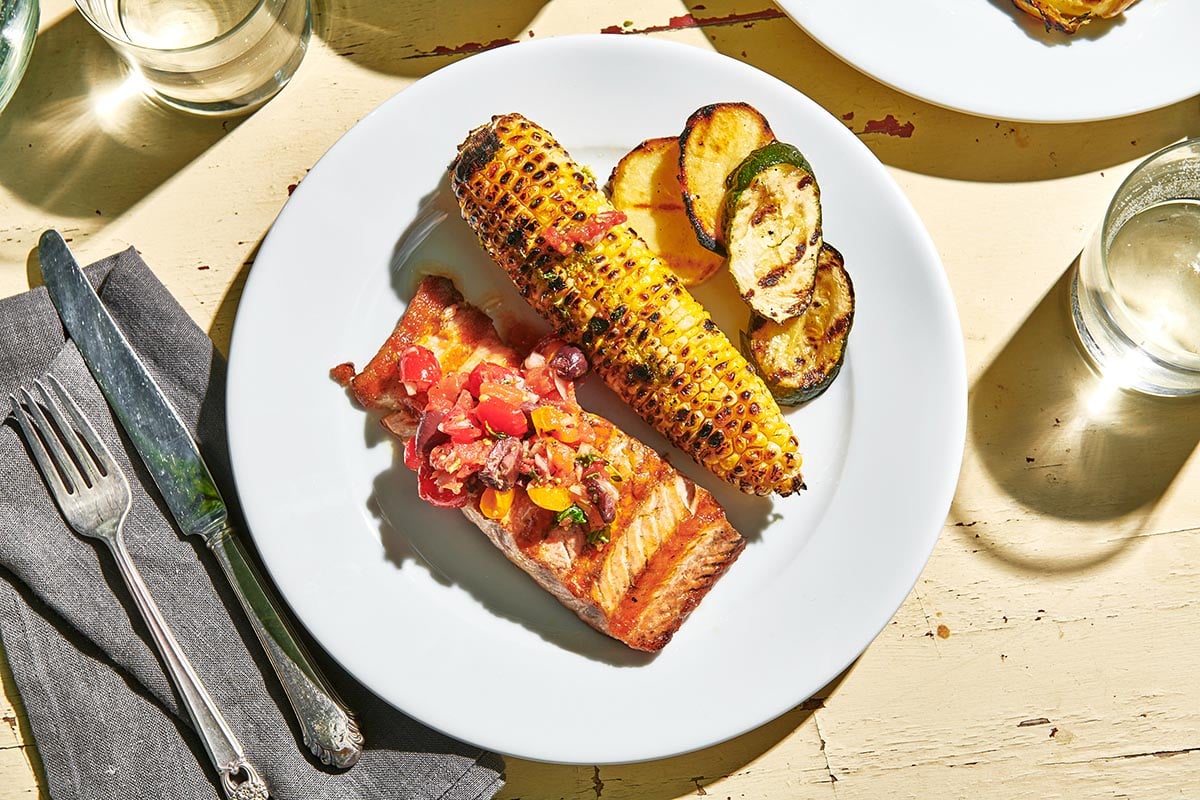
(499, 430)
(585, 232)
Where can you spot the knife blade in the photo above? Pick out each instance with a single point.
(174, 461)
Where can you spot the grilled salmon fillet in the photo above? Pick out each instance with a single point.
(669, 540)
(1068, 15)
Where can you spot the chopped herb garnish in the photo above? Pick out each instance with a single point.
(587, 459)
(571, 513)
(599, 536)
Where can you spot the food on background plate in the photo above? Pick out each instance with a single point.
(1068, 16)
(800, 358)
(773, 235)
(645, 185)
(542, 218)
(714, 140)
(597, 518)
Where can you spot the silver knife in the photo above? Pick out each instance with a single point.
(183, 479)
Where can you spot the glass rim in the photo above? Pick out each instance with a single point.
(22, 49)
(130, 45)
(1120, 315)
(1141, 167)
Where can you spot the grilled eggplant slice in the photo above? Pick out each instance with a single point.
(715, 140)
(1067, 16)
(799, 359)
(773, 230)
(645, 185)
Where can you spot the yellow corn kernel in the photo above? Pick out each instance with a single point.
(549, 496)
(494, 504)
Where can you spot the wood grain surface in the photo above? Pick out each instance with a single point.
(1049, 649)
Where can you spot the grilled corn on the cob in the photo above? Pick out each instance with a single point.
(542, 218)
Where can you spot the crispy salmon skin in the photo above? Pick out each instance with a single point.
(668, 541)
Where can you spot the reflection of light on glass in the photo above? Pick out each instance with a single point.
(172, 35)
(1117, 374)
(107, 102)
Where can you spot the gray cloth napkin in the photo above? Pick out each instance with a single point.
(103, 713)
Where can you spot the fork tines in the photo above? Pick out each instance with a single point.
(89, 459)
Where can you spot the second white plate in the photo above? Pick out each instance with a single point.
(987, 58)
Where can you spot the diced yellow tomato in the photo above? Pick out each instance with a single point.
(495, 504)
(553, 421)
(549, 496)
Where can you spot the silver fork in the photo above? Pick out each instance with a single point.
(94, 496)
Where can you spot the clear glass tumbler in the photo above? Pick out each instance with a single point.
(18, 29)
(206, 56)
(1135, 296)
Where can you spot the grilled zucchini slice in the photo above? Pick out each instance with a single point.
(715, 139)
(773, 230)
(645, 185)
(799, 359)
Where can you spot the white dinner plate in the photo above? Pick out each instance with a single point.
(413, 600)
(985, 57)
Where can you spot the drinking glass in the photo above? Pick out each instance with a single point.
(206, 56)
(18, 29)
(1135, 297)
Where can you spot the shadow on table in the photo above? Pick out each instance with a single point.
(80, 141)
(1067, 445)
(913, 135)
(662, 779)
(413, 38)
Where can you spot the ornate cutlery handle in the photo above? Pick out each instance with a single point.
(329, 729)
(238, 778)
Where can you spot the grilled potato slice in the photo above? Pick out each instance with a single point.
(645, 185)
(799, 359)
(773, 230)
(715, 139)
(1068, 15)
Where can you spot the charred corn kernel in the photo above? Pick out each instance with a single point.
(494, 504)
(606, 292)
(555, 422)
(549, 496)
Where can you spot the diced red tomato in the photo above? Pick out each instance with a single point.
(460, 460)
(540, 379)
(443, 394)
(487, 372)
(419, 369)
(500, 416)
(587, 232)
(460, 422)
(430, 492)
(412, 459)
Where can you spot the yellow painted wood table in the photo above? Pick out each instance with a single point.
(1050, 647)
